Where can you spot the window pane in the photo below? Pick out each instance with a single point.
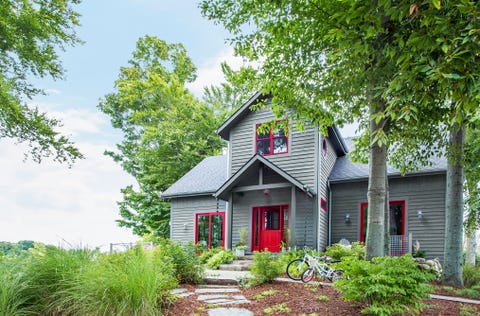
(272, 220)
(216, 238)
(396, 219)
(261, 135)
(279, 145)
(279, 132)
(202, 231)
(263, 147)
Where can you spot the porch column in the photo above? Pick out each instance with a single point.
(228, 222)
(293, 217)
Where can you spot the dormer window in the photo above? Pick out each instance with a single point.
(271, 143)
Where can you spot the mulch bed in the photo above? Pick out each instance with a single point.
(299, 298)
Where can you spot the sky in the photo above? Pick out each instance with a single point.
(77, 207)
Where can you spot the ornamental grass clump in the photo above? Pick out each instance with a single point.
(387, 285)
(12, 287)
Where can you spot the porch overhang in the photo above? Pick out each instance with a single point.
(249, 169)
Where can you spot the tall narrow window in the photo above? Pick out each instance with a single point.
(210, 229)
(397, 219)
(271, 143)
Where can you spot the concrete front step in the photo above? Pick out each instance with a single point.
(237, 265)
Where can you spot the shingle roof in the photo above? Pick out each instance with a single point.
(204, 179)
(344, 169)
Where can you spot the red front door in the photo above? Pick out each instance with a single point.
(267, 228)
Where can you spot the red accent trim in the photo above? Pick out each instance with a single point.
(323, 204)
(362, 222)
(324, 147)
(210, 214)
(271, 137)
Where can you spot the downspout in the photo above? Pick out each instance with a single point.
(329, 203)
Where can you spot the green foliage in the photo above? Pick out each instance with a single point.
(15, 248)
(471, 275)
(473, 292)
(387, 285)
(265, 268)
(279, 308)
(292, 254)
(222, 257)
(468, 310)
(12, 287)
(210, 253)
(338, 251)
(166, 130)
(185, 261)
(264, 294)
(31, 33)
(323, 298)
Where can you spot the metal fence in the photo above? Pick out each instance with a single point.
(124, 246)
(400, 244)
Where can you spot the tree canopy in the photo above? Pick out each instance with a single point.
(167, 130)
(30, 34)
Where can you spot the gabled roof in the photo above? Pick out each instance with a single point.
(204, 179)
(224, 130)
(252, 165)
(346, 170)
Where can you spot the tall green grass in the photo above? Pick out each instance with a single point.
(50, 281)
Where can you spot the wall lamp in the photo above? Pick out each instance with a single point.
(347, 218)
(420, 214)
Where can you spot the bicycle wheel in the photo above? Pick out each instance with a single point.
(308, 275)
(295, 269)
(337, 275)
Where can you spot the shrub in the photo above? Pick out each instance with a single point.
(222, 257)
(12, 287)
(339, 251)
(265, 268)
(386, 285)
(186, 263)
(471, 275)
(208, 254)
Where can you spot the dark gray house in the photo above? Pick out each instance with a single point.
(297, 188)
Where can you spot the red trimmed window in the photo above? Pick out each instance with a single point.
(397, 219)
(210, 229)
(323, 204)
(271, 143)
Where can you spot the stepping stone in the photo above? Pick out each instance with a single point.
(181, 292)
(230, 312)
(210, 297)
(217, 290)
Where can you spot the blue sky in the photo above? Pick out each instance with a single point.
(54, 204)
(57, 205)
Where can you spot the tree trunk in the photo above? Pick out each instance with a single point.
(374, 244)
(471, 251)
(452, 270)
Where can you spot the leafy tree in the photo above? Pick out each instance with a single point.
(410, 69)
(30, 33)
(166, 130)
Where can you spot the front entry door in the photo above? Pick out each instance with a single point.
(268, 225)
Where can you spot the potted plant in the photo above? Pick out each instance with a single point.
(241, 246)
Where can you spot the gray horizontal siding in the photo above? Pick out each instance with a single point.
(299, 162)
(183, 212)
(426, 193)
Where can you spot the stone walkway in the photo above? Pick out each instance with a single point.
(217, 295)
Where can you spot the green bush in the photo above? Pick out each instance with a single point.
(12, 288)
(471, 275)
(386, 285)
(265, 268)
(338, 251)
(185, 260)
(210, 253)
(222, 257)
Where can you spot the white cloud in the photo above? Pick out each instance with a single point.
(49, 202)
(210, 72)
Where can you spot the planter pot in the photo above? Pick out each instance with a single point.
(239, 252)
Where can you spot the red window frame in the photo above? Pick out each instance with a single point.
(362, 215)
(323, 204)
(210, 214)
(271, 137)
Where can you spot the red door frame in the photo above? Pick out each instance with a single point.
(210, 214)
(259, 211)
(362, 223)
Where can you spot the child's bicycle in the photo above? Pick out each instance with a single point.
(321, 266)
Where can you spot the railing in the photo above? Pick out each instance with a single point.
(400, 244)
(124, 246)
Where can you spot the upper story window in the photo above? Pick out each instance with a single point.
(272, 143)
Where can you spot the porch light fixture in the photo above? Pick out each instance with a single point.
(420, 214)
(266, 192)
(347, 218)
